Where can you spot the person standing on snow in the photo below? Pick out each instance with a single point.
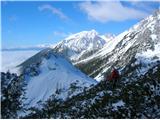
(114, 77)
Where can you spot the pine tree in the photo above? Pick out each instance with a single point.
(12, 89)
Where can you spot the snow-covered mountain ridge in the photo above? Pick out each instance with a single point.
(47, 72)
(81, 44)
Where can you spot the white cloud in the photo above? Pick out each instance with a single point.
(54, 11)
(110, 11)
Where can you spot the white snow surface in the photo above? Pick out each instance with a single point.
(118, 104)
(148, 58)
(55, 73)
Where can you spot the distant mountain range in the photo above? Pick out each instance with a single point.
(89, 36)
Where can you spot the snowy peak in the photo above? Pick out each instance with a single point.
(146, 31)
(148, 23)
(47, 72)
(86, 40)
(80, 44)
(84, 34)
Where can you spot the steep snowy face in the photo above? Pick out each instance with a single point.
(48, 73)
(80, 44)
(134, 51)
(138, 49)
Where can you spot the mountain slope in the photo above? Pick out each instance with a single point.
(128, 51)
(48, 73)
(137, 100)
(80, 45)
(140, 99)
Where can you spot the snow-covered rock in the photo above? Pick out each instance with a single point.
(117, 104)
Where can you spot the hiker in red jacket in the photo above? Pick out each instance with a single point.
(114, 77)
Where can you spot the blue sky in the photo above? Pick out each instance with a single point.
(33, 23)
